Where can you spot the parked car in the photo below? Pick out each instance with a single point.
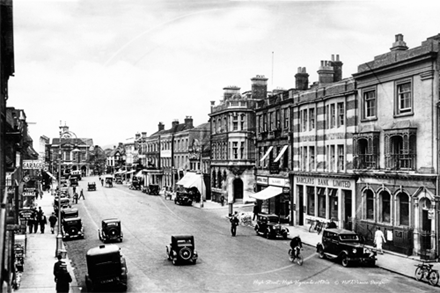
(109, 181)
(64, 202)
(269, 225)
(153, 189)
(91, 186)
(72, 228)
(183, 198)
(73, 181)
(69, 213)
(107, 269)
(182, 249)
(110, 230)
(345, 246)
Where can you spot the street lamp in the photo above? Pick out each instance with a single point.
(59, 239)
(198, 148)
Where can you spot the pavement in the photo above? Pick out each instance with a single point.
(40, 257)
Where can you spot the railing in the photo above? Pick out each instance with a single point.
(366, 162)
(401, 161)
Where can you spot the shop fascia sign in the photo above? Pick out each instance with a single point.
(279, 182)
(323, 182)
(28, 191)
(33, 165)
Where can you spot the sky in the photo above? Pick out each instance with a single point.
(109, 69)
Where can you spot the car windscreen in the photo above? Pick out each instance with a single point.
(184, 242)
(349, 237)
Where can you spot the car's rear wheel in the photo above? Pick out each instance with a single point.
(344, 261)
(174, 261)
(321, 253)
(256, 229)
(185, 253)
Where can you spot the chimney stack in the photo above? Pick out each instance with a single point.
(399, 44)
(337, 68)
(174, 123)
(259, 87)
(161, 126)
(144, 134)
(137, 136)
(301, 79)
(325, 72)
(188, 122)
(229, 92)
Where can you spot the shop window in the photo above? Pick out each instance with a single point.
(286, 118)
(333, 203)
(369, 201)
(310, 200)
(321, 202)
(385, 207)
(403, 212)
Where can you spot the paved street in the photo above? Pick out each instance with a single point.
(246, 263)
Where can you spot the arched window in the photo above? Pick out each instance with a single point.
(403, 211)
(369, 201)
(385, 206)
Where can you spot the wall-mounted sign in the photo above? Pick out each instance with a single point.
(330, 182)
(33, 164)
(279, 182)
(262, 180)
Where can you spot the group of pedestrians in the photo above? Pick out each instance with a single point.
(37, 219)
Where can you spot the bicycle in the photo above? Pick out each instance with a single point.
(425, 271)
(317, 226)
(298, 259)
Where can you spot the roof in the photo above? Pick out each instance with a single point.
(74, 141)
(109, 220)
(111, 248)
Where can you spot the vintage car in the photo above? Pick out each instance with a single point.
(109, 181)
(63, 182)
(62, 202)
(107, 269)
(269, 225)
(135, 185)
(110, 230)
(153, 189)
(73, 181)
(72, 228)
(76, 174)
(183, 198)
(182, 249)
(69, 213)
(91, 186)
(345, 246)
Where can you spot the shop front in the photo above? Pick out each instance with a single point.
(324, 198)
(273, 197)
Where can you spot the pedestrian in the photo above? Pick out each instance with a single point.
(81, 194)
(256, 211)
(102, 182)
(39, 213)
(57, 267)
(234, 223)
(36, 222)
(63, 281)
(43, 222)
(52, 221)
(30, 222)
(75, 198)
(379, 239)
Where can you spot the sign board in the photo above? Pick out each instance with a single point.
(33, 164)
(29, 191)
(25, 214)
(431, 214)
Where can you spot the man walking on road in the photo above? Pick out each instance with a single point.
(43, 222)
(81, 194)
(234, 223)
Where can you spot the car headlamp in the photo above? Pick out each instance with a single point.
(354, 250)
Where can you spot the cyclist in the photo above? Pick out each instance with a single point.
(294, 243)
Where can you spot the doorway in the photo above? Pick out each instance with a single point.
(238, 189)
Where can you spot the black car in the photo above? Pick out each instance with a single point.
(345, 246)
(153, 189)
(107, 269)
(269, 225)
(69, 213)
(91, 186)
(182, 249)
(73, 181)
(183, 198)
(111, 230)
(72, 228)
(62, 202)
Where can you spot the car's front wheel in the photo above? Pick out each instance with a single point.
(321, 253)
(344, 261)
(268, 234)
(174, 261)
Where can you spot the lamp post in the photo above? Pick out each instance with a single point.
(59, 239)
(198, 148)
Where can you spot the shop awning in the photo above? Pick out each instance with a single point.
(139, 174)
(267, 193)
(281, 153)
(131, 172)
(267, 153)
(189, 177)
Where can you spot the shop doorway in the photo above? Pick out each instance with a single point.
(238, 189)
(300, 202)
(348, 222)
